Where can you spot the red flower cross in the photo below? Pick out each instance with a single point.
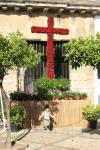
(50, 30)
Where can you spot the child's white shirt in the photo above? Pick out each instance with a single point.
(46, 115)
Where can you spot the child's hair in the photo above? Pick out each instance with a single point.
(46, 106)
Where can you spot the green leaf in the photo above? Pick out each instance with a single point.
(83, 51)
(16, 52)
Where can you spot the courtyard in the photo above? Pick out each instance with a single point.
(62, 138)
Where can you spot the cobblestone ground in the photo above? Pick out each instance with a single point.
(58, 139)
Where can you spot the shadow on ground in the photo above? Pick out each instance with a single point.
(21, 136)
(93, 131)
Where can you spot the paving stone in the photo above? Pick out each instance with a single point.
(81, 143)
(55, 148)
(59, 139)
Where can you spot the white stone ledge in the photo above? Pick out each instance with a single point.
(50, 6)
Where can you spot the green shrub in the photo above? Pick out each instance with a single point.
(61, 84)
(17, 115)
(70, 95)
(91, 112)
(43, 96)
(43, 84)
(22, 96)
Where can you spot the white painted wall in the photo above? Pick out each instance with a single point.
(96, 79)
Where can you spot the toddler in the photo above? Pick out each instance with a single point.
(46, 115)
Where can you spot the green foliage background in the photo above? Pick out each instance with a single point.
(83, 51)
(16, 52)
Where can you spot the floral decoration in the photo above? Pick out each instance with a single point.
(50, 30)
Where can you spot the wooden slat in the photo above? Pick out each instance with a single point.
(66, 112)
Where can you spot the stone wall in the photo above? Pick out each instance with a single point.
(78, 25)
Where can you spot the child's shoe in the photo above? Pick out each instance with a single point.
(48, 131)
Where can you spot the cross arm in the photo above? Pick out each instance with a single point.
(35, 29)
(60, 31)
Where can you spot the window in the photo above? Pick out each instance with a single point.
(61, 68)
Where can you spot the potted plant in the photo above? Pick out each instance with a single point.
(17, 116)
(91, 113)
